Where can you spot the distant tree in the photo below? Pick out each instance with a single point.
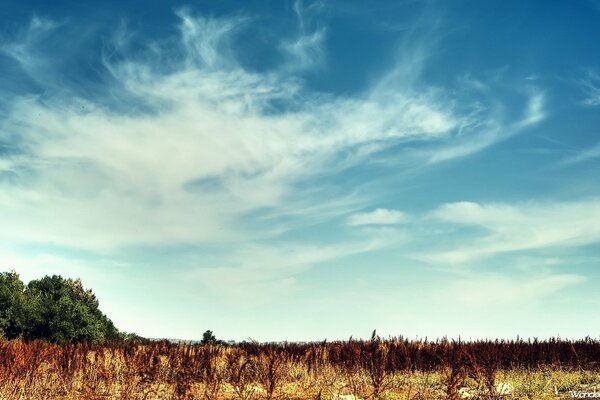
(133, 337)
(208, 338)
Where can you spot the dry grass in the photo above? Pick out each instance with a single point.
(377, 369)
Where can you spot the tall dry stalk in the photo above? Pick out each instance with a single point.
(241, 373)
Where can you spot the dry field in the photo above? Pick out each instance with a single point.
(377, 369)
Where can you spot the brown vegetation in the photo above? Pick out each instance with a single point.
(340, 370)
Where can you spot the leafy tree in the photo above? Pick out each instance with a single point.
(16, 311)
(52, 308)
(68, 312)
(133, 337)
(208, 338)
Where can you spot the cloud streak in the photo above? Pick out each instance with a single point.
(591, 88)
(306, 50)
(187, 145)
(259, 273)
(518, 227)
(584, 155)
(380, 216)
(499, 290)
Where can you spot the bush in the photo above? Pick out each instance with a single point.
(53, 308)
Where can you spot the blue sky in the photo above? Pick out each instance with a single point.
(308, 170)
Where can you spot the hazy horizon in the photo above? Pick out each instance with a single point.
(308, 170)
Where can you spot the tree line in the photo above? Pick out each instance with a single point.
(54, 309)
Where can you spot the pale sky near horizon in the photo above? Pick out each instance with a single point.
(306, 170)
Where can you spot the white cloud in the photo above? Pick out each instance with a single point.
(494, 289)
(190, 145)
(305, 51)
(26, 51)
(380, 216)
(35, 266)
(591, 87)
(535, 110)
(206, 38)
(583, 156)
(516, 227)
(490, 131)
(260, 273)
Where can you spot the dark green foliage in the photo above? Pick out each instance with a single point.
(52, 308)
(208, 337)
(133, 338)
(16, 312)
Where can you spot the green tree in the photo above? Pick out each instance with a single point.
(52, 308)
(208, 338)
(17, 312)
(67, 312)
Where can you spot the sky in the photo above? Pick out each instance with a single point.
(283, 170)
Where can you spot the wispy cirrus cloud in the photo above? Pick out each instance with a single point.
(257, 273)
(517, 227)
(379, 216)
(583, 155)
(501, 290)
(591, 87)
(27, 49)
(187, 144)
(491, 130)
(306, 50)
